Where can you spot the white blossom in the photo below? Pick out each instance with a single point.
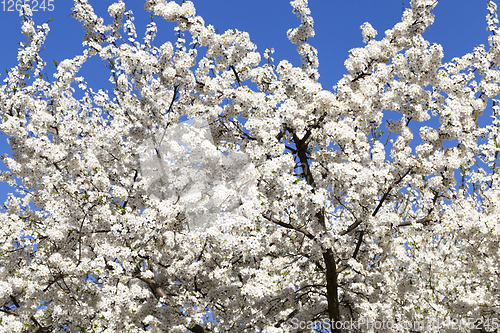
(207, 181)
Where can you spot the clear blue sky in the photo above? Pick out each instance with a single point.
(458, 27)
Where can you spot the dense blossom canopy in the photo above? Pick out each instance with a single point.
(211, 180)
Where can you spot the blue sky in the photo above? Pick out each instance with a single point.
(458, 27)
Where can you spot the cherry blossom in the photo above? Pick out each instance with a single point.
(212, 179)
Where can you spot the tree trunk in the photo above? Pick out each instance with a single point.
(331, 290)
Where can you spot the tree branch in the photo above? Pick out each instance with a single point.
(236, 75)
(358, 245)
(289, 226)
(352, 227)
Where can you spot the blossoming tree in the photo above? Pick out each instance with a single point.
(329, 220)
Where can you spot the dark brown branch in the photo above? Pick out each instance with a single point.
(159, 293)
(8, 312)
(386, 194)
(281, 321)
(363, 74)
(427, 219)
(155, 287)
(358, 245)
(174, 97)
(356, 251)
(196, 329)
(100, 231)
(332, 289)
(381, 202)
(352, 227)
(309, 130)
(56, 278)
(236, 75)
(80, 240)
(14, 300)
(289, 226)
(304, 161)
(329, 257)
(360, 76)
(40, 328)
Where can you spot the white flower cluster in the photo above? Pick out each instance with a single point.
(300, 35)
(368, 32)
(117, 9)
